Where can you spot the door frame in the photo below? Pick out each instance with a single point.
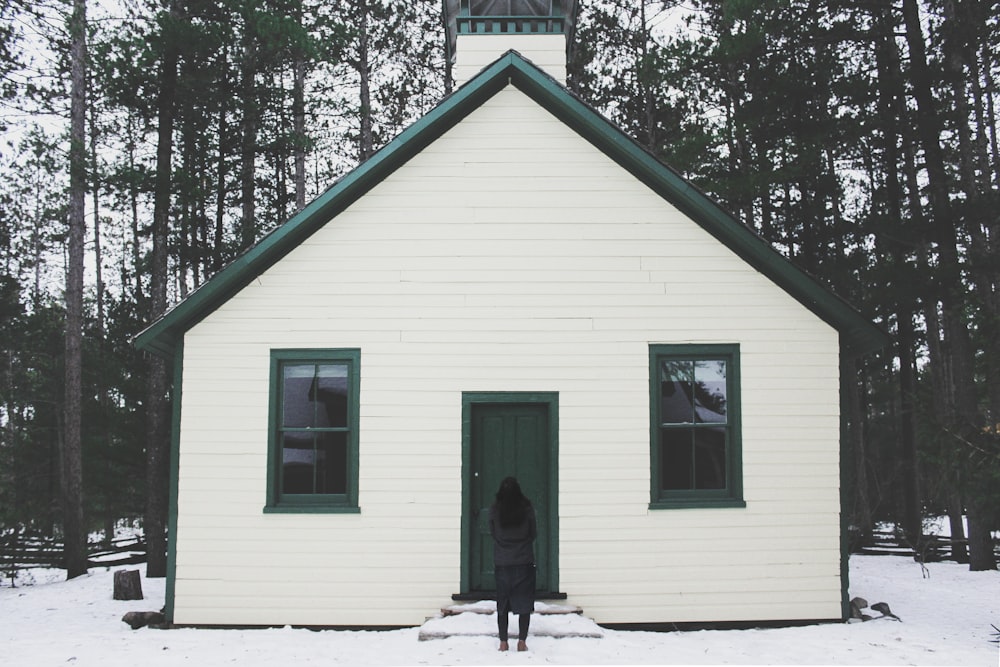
(551, 401)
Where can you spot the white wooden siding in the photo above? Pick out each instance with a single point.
(474, 52)
(509, 256)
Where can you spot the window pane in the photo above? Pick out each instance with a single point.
(710, 391)
(314, 463)
(331, 465)
(676, 464)
(314, 396)
(677, 392)
(710, 458)
(331, 394)
(296, 387)
(298, 463)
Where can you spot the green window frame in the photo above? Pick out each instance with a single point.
(695, 429)
(312, 450)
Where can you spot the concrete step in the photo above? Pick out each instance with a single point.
(478, 619)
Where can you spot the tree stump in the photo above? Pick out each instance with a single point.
(128, 585)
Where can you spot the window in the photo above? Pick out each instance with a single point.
(695, 426)
(313, 442)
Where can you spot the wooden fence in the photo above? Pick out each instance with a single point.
(932, 548)
(22, 550)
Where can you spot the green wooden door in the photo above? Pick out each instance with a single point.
(509, 439)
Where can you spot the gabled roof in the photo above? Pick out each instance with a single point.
(858, 335)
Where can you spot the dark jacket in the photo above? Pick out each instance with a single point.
(513, 545)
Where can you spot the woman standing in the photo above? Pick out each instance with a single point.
(512, 525)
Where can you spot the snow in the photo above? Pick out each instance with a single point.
(946, 620)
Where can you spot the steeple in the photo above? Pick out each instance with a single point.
(480, 31)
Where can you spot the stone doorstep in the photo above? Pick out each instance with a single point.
(478, 620)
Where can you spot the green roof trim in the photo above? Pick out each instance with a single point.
(858, 335)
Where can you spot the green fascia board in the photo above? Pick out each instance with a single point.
(858, 335)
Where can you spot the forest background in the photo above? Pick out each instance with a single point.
(144, 144)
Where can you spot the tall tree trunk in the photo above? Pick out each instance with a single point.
(248, 152)
(912, 520)
(299, 119)
(184, 183)
(940, 373)
(37, 248)
(643, 76)
(956, 524)
(222, 130)
(74, 530)
(891, 110)
(980, 518)
(279, 155)
(968, 420)
(964, 413)
(982, 88)
(982, 228)
(157, 409)
(101, 388)
(133, 199)
(98, 260)
(738, 146)
(365, 139)
(991, 126)
(862, 516)
(981, 222)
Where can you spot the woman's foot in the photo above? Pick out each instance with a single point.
(503, 646)
(521, 646)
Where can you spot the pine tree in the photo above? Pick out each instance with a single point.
(625, 63)
(74, 529)
(391, 60)
(32, 335)
(157, 422)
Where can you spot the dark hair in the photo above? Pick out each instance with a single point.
(512, 505)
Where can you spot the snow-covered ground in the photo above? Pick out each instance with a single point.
(946, 620)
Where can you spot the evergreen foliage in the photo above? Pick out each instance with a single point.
(860, 139)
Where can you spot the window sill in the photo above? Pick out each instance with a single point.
(311, 509)
(697, 503)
